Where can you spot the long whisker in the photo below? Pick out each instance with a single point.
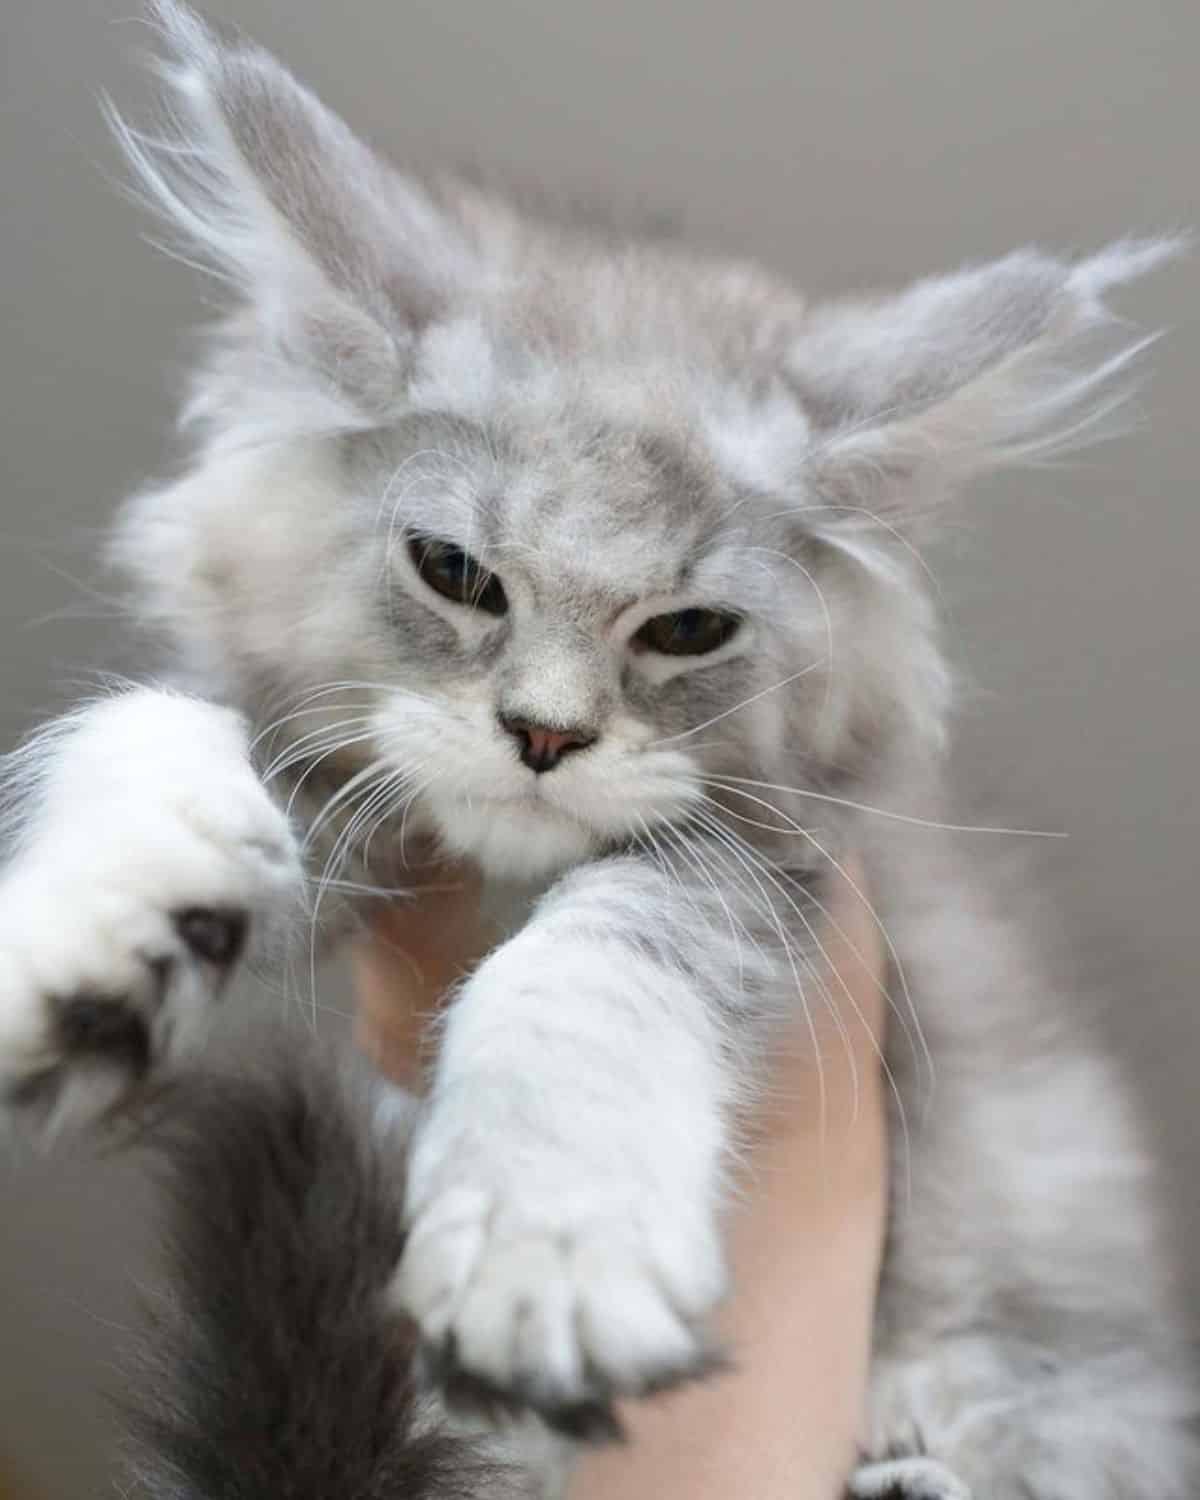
(920, 1054)
(403, 795)
(671, 739)
(875, 918)
(389, 488)
(300, 708)
(653, 844)
(274, 728)
(417, 791)
(344, 792)
(868, 968)
(828, 618)
(362, 888)
(884, 812)
(767, 866)
(322, 887)
(377, 796)
(325, 690)
(876, 521)
(775, 921)
(676, 839)
(342, 743)
(302, 748)
(693, 851)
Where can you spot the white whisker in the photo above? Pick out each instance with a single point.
(342, 794)
(671, 739)
(301, 749)
(828, 619)
(879, 925)
(776, 922)
(693, 854)
(316, 761)
(878, 522)
(768, 866)
(883, 812)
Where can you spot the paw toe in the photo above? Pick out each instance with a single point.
(909, 1478)
(544, 1321)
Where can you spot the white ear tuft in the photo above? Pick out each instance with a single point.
(338, 257)
(1124, 261)
(1006, 363)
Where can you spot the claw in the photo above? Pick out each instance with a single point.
(591, 1420)
(215, 934)
(103, 1027)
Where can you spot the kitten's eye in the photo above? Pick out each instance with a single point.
(455, 574)
(688, 632)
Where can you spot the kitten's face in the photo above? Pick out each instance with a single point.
(543, 539)
(561, 622)
(583, 611)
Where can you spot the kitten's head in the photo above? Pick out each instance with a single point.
(558, 536)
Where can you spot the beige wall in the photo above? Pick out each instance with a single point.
(846, 141)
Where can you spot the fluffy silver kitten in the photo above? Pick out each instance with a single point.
(594, 562)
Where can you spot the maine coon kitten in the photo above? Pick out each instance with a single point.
(594, 562)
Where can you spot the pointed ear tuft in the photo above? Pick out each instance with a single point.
(339, 258)
(1001, 364)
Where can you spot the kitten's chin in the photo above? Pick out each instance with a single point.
(514, 841)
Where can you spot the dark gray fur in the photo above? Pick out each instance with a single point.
(273, 1370)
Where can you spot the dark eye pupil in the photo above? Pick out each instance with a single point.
(688, 632)
(455, 574)
(453, 564)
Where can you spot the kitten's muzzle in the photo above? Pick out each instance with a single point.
(542, 746)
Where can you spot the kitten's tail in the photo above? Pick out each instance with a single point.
(274, 1367)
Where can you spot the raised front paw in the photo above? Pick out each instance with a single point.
(122, 916)
(533, 1291)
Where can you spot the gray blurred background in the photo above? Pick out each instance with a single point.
(847, 142)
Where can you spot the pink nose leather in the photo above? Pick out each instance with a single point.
(540, 747)
(549, 743)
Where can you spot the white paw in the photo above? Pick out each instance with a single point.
(909, 1478)
(155, 854)
(536, 1286)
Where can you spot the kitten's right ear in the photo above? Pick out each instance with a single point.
(340, 259)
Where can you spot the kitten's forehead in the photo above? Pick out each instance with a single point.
(750, 424)
(620, 510)
(559, 491)
(615, 469)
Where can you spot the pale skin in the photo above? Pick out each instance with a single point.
(805, 1234)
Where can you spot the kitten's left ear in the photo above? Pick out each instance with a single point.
(338, 258)
(963, 373)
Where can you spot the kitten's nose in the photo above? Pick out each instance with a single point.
(542, 747)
